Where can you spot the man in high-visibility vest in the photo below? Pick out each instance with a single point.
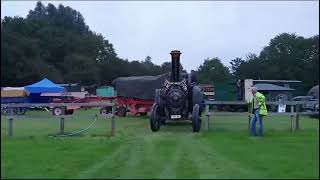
(257, 107)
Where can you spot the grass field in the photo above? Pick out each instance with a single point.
(225, 151)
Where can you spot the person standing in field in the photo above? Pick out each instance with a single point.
(257, 107)
(239, 89)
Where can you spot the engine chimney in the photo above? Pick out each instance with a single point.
(175, 65)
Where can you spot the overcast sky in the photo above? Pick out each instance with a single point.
(200, 30)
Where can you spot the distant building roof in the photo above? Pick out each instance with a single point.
(278, 81)
(271, 87)
(74, 84)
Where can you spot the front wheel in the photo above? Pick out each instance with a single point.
(122, 111)
(155, 118)
(57, 111)
(105, 110)
(196, 118)
(22, 111)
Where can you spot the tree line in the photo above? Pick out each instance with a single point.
(287, 56)
(56, 43)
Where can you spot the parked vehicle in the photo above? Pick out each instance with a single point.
(208, 91)
(13, 96)
(309, 107)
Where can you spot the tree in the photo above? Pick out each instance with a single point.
(52, 42)
(293, 57)
(212, 70)
(38, 12)
(287, 57)
(235, 63)
(147, 60)
(77, 71)
(167, 67)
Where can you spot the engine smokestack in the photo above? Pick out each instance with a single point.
(175, 65)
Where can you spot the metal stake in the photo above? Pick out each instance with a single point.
(113, 123)
(62, 125)
(10, 130)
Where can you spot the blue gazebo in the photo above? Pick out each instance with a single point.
(43, 86)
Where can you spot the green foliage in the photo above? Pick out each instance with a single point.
(225, 90)
(235, 63)
(288, 57)
(251, 68)
(166, 67)
(212, 70)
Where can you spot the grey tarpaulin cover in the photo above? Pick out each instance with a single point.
(141, 87)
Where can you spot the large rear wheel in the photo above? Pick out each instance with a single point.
(157, 97)
(155, 118)
(196, 118)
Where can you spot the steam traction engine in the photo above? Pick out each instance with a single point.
(177, 99)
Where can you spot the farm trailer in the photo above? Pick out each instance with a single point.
(14, 95)
(14, 100)
(123, 105)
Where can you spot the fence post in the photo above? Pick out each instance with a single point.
(292, 114)
(62, 125)
(208, 116)
(113, 123)
(297, 127)
(10, 130)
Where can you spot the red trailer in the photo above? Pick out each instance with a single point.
(133, 105)
(70, 109)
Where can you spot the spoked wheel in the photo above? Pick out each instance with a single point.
(155, 118)
(196, 118)
(58, 111)
(3, 110)
(105, 110)
(16, 111)
(163, 121)
(122, 111)
(22, 111)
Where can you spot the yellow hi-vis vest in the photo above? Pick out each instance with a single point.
(262, 104)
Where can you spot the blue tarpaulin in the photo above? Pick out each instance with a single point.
(44, 86)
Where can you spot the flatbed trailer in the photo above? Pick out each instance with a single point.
(124, 104)
(14, 100)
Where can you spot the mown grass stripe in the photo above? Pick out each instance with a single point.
(168, 170)
(93, 168)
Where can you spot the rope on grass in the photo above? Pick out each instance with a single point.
(77, 132)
